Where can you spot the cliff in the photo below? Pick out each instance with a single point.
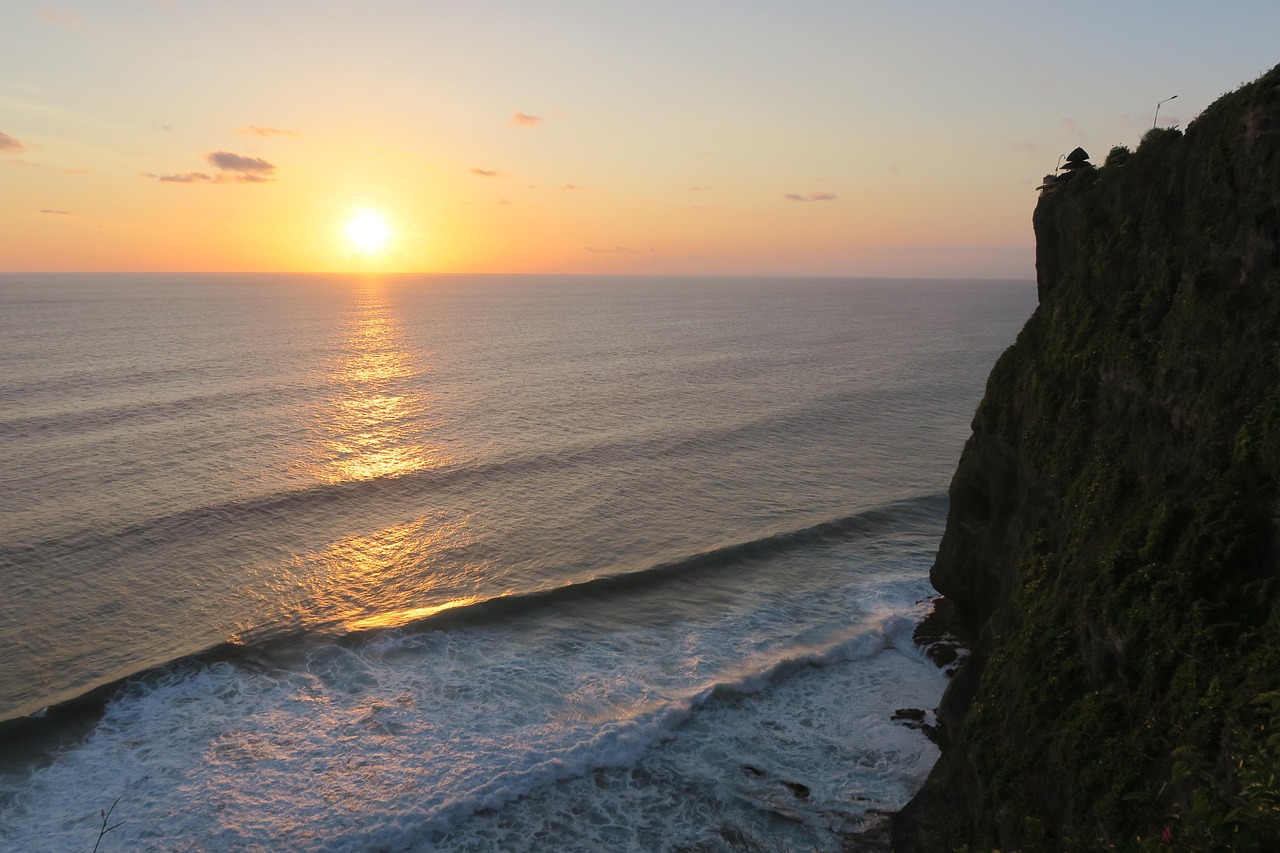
(1114, 531)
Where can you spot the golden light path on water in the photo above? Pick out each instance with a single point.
(376, 425)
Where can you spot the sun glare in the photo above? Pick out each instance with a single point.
(368, 232)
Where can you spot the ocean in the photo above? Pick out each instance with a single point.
(471, 563)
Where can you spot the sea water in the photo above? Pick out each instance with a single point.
(472, 563)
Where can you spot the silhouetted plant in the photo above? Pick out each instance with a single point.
(1117, 156)
(106, 818)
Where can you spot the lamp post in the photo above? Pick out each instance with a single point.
(1157, 118)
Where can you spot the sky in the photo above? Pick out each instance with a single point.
(721, 137)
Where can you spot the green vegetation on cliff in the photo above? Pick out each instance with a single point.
(1114, 533)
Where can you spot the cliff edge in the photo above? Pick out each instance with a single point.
(1114, 530)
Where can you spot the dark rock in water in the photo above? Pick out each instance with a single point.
(752, 771)
(801, 791)
(914, 718)
(1113, 537)
(937, 734)
(872, 836)
(943, 634)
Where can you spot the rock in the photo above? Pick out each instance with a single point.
(800, 791)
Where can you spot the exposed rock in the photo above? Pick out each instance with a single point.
(943, 635)
(800, 791)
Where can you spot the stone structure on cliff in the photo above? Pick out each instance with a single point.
(1113, 542)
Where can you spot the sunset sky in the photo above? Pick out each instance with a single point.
(807, 138)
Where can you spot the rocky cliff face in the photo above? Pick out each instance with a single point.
(1113, 537)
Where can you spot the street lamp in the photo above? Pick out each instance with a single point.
(1154, 120)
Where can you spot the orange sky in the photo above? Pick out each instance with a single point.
(824, 138)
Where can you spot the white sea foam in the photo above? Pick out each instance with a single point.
(459, 739)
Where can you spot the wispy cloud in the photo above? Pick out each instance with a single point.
(1025, 145)
(810, 197)
(258, 130)
(519, 119)
(696, 189)
(11, 145)
(185, 178)
(487, 173)
(57, 212)
(1073, 129)
(616, 250)
(59, 18)
(239, 169)
(248, 166)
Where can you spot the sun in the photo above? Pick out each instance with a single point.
(368, 232)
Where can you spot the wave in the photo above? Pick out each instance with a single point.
(66, 423)
(285, 505)
(158, 704)
(270, 648)
(622, 743)
(892, 516)
(34, 737)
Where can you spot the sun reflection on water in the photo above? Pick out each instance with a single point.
(378, 423)
(390, 577)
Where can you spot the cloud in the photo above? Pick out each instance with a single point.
(257, 130)
(486, 173)
(519, 119)
(616, 250)
(58, 212)
(810, 197)
(53, 16)
(1073, 129)
(187, 178)
(1025, 145)
(241, 169)
(246, 166)
(696, 189)
(8, 143)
